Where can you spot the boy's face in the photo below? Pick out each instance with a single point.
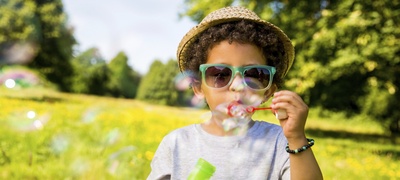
(236, 55)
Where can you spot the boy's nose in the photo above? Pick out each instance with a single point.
(237, 83)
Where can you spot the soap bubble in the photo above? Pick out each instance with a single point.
(31, 114)
(9, 83)
(119, 157)
(79, 166)
(236, 114)
(59, 144)
(28, 120)
(111, 137)
(17, 52)
(231, 115)
(183, 83)
(91, 114)
(18, 77)
(197, 102)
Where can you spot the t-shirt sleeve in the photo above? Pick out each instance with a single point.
(285, 171)
(161, 163)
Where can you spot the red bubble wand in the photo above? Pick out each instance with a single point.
(251, 109)
(235, 109)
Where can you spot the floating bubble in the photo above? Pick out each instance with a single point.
(231, 115)
(90, 115)
(10, 83)
(237, 114)
(115, 160)
(197, 102)
(18, 77)
(111, 137)
(17, 52)
(59, 144)
(28, 121)
(31, 114)
(235, 109)
(183, 82)
(38, 124)
(79, 166)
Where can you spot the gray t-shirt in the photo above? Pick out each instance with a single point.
(259, 154)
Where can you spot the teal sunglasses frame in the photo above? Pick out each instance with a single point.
(272, 70)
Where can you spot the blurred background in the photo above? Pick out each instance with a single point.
(89, 88)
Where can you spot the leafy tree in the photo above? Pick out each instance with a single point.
(158, 86)
(91, 73)
(136, 78)
(347, 52)
(40, 27)
(170, 93)
(149, 82)
(123, 80)
(18, 32)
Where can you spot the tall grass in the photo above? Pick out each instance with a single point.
(70, 136)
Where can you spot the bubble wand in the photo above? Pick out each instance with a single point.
(251, 109)
(235, 108)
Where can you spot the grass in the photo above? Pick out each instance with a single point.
(69, 136)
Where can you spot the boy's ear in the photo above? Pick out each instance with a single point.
(196, 86)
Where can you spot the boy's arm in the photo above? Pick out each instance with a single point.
(303, 165)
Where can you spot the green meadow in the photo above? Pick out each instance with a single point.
(51, 135)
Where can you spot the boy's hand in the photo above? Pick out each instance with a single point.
(297, 112)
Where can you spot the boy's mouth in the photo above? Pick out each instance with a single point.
(236, 109)
(238, 102)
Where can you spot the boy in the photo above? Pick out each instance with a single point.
(236, 56)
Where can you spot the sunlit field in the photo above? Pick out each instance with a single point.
(51, 135)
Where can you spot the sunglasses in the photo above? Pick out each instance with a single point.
(257, 77)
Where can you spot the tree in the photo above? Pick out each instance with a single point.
(347, 52)
(353, 59)
(123, 81)
(149, 83)
(18, 31)
(91, 73)
(157, 86)
(40, 26)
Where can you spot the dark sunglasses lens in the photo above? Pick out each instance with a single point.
(257, 78)
(218, 76)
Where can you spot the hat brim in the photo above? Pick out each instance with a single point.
(228, 14)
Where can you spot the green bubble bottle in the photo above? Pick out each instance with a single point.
(202, 171)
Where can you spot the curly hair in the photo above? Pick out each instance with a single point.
(244, 32)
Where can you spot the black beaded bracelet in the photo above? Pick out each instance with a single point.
(310, 143)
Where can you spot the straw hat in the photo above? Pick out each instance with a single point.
(227, 14)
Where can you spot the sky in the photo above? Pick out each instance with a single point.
(145, 30)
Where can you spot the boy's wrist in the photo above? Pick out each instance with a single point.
(296, 142)
(310, 142)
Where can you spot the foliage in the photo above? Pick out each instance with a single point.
(158, 86)
(18, 31)
(51, 135)
(347, 52)
(36, 33)
(91, 73)
(123, 80)
(17, 20)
